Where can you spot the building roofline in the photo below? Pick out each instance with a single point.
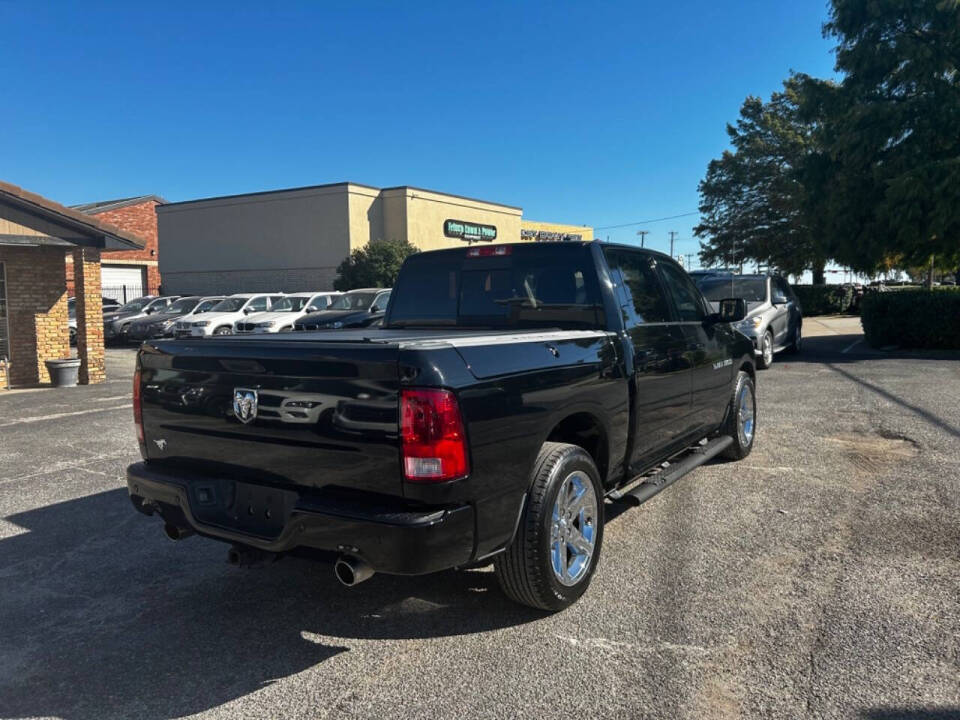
(94, 208)
(109, 235)
(267, 192)
(459, 197)
(335, 185)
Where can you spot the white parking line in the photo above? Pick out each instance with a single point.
(54, 416)
(851, 346)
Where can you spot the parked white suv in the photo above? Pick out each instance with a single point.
(220, 319)
(285, 312)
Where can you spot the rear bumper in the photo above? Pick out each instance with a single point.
(400, 542)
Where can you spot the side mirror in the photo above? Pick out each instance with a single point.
(732, 310)
(779, 299)
(310, 309)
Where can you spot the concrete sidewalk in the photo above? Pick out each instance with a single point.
(832, 325)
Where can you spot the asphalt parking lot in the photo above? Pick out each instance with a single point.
(820, 577)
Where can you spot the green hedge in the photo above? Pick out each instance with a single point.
(912, 318)
(824, 299)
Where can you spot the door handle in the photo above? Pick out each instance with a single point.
(552, 349)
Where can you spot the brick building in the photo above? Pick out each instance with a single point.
(36, 235)
(126, 274)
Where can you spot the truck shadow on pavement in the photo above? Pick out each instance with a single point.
(103, 617)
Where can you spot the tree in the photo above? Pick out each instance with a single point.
(895, 142)
(374, 265)
(763, 201)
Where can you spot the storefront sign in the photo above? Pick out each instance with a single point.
(471, 232)
(549, 236)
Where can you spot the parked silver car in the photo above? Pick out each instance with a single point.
(774, 318)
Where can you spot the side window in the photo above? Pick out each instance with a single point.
(380, 304)
(783, 287)
(640, 280)
(685, 296)
(258, 304)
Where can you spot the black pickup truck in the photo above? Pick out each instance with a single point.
(511, 391)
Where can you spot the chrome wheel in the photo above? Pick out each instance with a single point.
(767, 349)
(745, 415)
(573, 529)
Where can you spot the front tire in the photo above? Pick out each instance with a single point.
(223, 330)
(741, 421)
(766, 351)
(797, 343)
(556, 549)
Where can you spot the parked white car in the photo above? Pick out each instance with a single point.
(285, 312)
(220, 319)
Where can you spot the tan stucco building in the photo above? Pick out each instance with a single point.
(288, 240)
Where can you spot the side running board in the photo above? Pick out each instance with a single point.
(668, 476)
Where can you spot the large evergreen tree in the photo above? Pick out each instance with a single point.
(762, 200)
(895, 132)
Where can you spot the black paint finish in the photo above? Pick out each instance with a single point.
(323, 453)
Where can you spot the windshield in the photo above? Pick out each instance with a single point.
(207, 305)
(717, 289)
(230, 304)
(184, 305)
(289, 304)
(353, 301)
(535, 286)
(136, 305)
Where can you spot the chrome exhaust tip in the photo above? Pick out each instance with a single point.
(352, 571)
(177, 532)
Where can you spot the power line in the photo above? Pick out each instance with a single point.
(645, 222)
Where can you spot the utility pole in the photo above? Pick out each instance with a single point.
(673, 236)
(689, 261)
(643, 234)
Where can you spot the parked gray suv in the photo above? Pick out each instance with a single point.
(774, 318)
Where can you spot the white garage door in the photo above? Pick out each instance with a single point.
(121, 282)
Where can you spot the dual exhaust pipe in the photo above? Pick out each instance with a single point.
(349, 570)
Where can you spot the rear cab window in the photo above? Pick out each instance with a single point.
(528, 286)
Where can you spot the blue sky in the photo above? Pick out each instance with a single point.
(597, 114)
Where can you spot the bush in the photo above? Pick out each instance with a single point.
(376, 264)
(824, 299)
(912, 318)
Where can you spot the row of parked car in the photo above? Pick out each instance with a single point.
(152, 317)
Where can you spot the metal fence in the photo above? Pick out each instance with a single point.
(122, 293)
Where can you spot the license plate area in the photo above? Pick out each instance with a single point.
(248, 508)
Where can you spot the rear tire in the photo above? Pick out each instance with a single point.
(556, 549)
(765, 358)
(741, 420)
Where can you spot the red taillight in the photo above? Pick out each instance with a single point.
(488, 251)
(434, 444)
(138, 406)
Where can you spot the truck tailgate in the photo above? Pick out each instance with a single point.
(315, 414)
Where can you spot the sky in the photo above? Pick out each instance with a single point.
(599, 114)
